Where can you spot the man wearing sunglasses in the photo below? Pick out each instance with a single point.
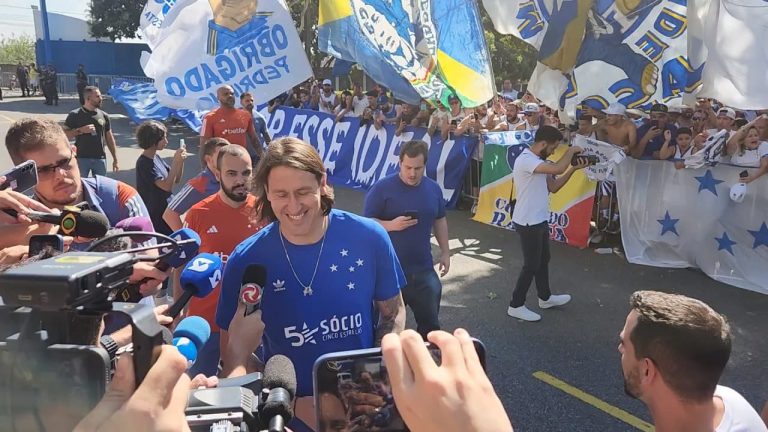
(533, 119)
(59, 183)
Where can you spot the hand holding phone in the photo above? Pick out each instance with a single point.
(20, 178)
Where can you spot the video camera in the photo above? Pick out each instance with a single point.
(49, 355)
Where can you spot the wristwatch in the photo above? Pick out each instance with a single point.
(110, 345)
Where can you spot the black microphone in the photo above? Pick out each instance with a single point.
(280, 379)
(177, 258)
(72, 221)
(252, 287)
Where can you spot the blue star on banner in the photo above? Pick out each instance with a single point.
(708, 182)
(668, 224)
(725, 243)
(761, 236)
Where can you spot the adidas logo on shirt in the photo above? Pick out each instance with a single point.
(212, 230)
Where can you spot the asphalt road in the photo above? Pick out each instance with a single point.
(575, 344)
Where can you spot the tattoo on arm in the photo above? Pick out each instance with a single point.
(391, 317)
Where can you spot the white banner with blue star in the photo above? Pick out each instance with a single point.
(685, 218)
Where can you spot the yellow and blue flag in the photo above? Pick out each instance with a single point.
(421, 50)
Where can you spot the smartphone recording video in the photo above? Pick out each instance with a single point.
(353, 392)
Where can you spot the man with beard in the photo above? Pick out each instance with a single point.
(230, 123)
(223, 220)
(259, 125)
(327, 271)
(91, 129)
(652, 133)
(535, 178)
(673, 352)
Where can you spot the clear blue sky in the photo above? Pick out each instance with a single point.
(16, 15)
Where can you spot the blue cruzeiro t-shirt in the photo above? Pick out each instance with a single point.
(390, 198)
(358, 266)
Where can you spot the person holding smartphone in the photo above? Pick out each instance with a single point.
(652, 134)
(410, 206)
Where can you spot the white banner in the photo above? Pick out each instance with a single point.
(198, 46)
(609, 155)
(730, 36)
(685, 218)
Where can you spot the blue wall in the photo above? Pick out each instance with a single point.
(99, 58)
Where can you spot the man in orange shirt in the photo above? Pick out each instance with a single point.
(223, 220)
(230, 123)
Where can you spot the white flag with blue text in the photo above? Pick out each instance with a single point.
(198, 46)
(685, 218)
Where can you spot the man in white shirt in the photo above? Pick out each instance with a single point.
(673, 352)
(535, 178)
(359, 101)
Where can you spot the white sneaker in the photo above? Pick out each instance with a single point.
(554, 300)
(523, 313)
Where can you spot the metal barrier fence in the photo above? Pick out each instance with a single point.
(68, 82)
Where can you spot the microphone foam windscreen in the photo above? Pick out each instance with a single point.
(188, 250)
(137, 223)
(279, 372)
(201, 274)
(91, 224)
(194, 328)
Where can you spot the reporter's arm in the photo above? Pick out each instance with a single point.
(21, 203)
(467, 400)
(243, 337)
(158, 404)
(173, 219)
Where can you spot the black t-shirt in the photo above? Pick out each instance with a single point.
(89, 145)
(147, 172)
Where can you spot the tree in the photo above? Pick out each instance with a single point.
(16, 49)
(512, 58)
(115, 19)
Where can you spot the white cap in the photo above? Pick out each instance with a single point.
(616, 109)
(327, 82)
(530, 108)
(738, 191)
(727, 112)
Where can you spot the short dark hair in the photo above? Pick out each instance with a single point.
(740, 122)
(414, 148)
(688, 341)
(243, 95)
(548, 134)
(30, 135)
(293, 153)
(685, 131)
(89, 89)
(150, 133)
(210, 146)
(235, 150)
(373, 93)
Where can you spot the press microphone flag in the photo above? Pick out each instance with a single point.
(252, 287)
(198, 279)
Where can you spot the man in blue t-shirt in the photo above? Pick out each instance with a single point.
(326, 271)
(651, 134)
(410, 206)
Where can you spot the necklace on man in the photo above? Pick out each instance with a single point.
(308, 287)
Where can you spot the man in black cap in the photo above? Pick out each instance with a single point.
(652, 133)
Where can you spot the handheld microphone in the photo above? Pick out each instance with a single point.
(72, 221)
(190, 336)
(252, 288)
(177, 258)
(280, 379)
(198, 279)
(137, 223)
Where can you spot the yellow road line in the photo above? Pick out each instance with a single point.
(7, 118)
(595, 402)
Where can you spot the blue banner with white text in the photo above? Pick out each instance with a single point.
(358, 155)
